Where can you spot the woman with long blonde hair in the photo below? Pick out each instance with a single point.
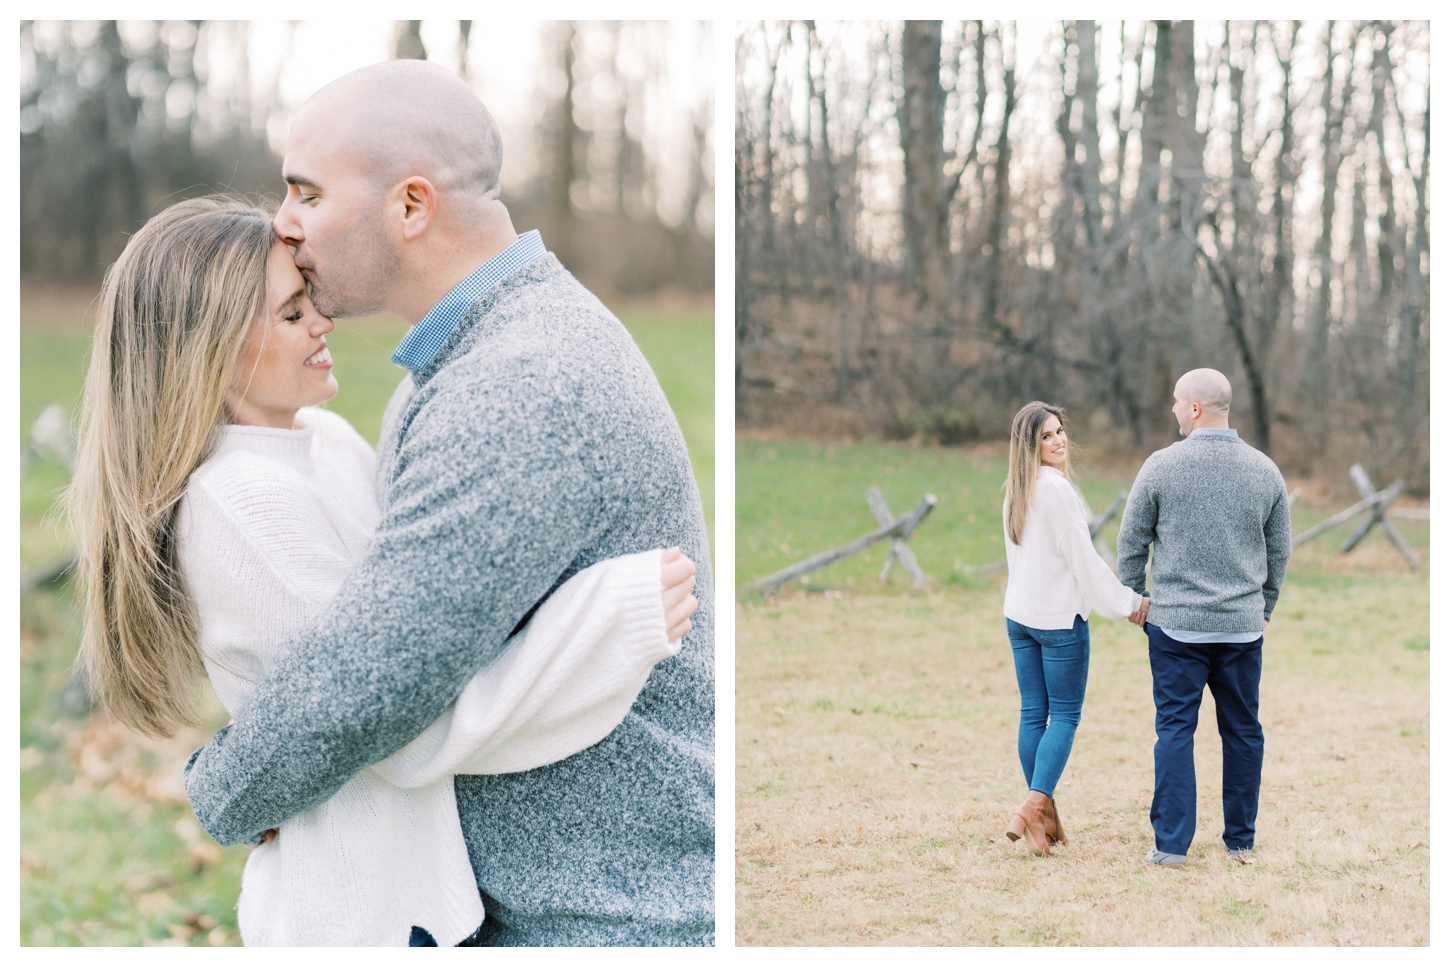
(1054, 578)
(218, 510)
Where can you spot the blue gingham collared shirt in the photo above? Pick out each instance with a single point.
(424, 340)
(1198, 637)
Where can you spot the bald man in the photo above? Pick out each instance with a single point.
(529, 440)
(1215, 513)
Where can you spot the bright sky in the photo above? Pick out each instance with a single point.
(510, 63)
(1037, 150)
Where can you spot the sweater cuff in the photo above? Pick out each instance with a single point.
(641, 605)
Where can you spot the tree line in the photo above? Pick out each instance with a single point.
(120, 118)
(917, 255)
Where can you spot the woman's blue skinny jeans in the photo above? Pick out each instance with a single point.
(1052, 669)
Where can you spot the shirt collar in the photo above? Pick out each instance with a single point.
(423, 341)
(1227, 431)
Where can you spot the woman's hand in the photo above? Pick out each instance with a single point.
(677, 579)
(267, 837)
(1140, 617)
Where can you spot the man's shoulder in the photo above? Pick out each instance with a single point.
(1238, 454)
(548, 297)
(1157, 461)
(1255, 457)
(1177, 450)
(541, 316)
(1196, 462)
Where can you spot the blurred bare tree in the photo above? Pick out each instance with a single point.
(118, 121)
(598, 193)
(1176, 215)
(121, 118)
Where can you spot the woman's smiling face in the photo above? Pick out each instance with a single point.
(1053, 442)
(285, 364)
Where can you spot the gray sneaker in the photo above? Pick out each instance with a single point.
(1159, 858)
(1244, 856)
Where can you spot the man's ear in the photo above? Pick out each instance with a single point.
(418, 200)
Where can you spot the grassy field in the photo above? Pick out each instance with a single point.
(110, 852)
(876, 738)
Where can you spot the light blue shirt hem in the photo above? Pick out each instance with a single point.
(1201, 637)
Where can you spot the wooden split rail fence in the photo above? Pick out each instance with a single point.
(1377, 503)
(897, 529)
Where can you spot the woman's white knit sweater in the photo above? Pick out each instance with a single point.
(270, 525)
(1055, 574)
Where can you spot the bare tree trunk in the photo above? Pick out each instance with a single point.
(465, 31)
(1223, 274)
(1124, 124)
(1412, 311)
(409, 45)
(1245, 205)
(1001, 200)
(1390, 242)
(924, 210)
(767, 160)
(1090, 171)
(837, 256)
(1279, 304)
(564, 168)
(1155, 122)
(1315, 372)
(979, 50)
(923, 102)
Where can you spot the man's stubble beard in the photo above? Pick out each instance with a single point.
(359, 275)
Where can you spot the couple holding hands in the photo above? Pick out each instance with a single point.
(1215, 512)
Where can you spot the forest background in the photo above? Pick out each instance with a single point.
(938, 221)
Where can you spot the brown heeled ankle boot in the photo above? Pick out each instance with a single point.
(1030, 820)
(1052, 823)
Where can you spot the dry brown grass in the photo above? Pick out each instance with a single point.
(877, 768)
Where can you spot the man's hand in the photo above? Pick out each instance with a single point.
(1140, 617)
(677, 579)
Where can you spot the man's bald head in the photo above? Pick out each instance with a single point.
(1208, 388)
(1201, 400)
(409, 117)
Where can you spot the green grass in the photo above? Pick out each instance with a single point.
(794, 499)
(110, 853)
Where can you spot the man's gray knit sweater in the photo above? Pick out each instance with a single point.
(1216, 514)
(536, 443)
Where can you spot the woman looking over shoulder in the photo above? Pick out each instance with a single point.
(1054, 577)
(218, 510)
